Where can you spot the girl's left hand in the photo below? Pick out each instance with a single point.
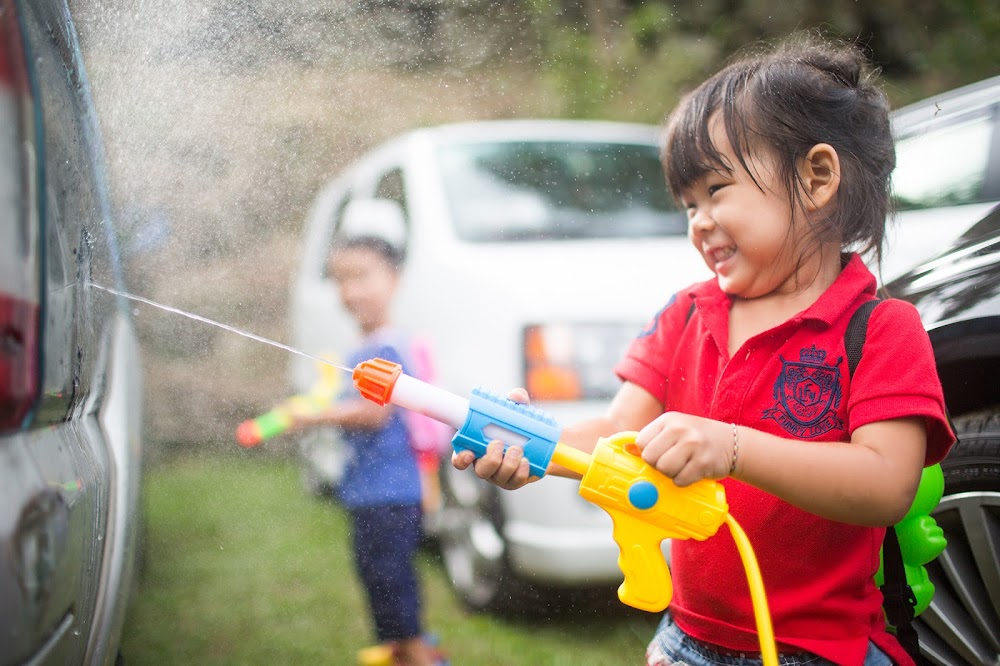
(687, 448)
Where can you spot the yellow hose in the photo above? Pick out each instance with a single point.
(762, 616)
(580, 462)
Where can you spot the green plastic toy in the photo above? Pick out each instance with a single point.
(921, 539)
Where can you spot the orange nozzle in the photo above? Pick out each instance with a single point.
(376, 378)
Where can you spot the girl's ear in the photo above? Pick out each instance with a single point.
(819, 174)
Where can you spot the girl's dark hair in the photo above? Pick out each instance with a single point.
(389, 252)
(803, 92)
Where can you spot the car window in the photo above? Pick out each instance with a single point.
(557, 190)
(943, 166)
(390, 186)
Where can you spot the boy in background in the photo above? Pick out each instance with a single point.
(381, 485)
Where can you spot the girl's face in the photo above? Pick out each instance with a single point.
(747, 235)
(366, 282)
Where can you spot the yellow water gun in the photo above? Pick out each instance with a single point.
(645, 506)
(320, 396)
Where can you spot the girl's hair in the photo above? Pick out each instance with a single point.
(804, 92)
(389, 252)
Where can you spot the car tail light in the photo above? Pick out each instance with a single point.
(18, 360)
(574, 361)
(19, 231)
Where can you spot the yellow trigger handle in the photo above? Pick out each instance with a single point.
(646, 507)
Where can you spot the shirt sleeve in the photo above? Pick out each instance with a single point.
(649, 356)
(897, 377)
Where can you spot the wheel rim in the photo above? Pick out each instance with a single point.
(471, 545)
(962, 624)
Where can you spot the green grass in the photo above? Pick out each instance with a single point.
(243, 567)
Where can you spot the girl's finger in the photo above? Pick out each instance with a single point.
(519, 395)
(513, 469)
(490, 462)
(462, 459)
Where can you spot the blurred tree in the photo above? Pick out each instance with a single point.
(592, 49)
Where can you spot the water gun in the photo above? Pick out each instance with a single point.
(252, 432)
(645, 506)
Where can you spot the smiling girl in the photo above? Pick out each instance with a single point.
(782, 161)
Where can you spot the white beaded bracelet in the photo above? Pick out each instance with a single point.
(736, 449)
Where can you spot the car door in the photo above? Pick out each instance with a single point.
(63, 566)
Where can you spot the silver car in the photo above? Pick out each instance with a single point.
(947, 175)
(70, 388)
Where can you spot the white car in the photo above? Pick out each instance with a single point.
(535, 251)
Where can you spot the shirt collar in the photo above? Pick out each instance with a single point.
(855, 283)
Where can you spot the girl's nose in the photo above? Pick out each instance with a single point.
(701, 222)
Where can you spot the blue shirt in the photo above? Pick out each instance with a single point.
(380, 467)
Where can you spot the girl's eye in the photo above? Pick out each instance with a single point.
(712, 189)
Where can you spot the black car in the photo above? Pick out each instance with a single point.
(958, 296)
(70, 384)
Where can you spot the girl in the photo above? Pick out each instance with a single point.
(782, 161)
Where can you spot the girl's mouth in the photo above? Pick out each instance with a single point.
(720, 255)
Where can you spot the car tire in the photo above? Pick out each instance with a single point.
(962, 624)
(472, 546)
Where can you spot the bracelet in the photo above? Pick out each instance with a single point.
(736, 450)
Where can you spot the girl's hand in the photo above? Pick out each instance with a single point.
(508, 471)
(687, 448)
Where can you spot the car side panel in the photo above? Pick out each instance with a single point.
(57, 474)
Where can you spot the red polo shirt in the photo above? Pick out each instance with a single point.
(793, 382)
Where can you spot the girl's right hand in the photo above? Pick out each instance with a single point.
(506, 470)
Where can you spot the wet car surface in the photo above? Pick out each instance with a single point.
(70, 384)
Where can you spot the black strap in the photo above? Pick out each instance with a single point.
(857, 332)
(898, 599)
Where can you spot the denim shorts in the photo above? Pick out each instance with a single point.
(672, 647)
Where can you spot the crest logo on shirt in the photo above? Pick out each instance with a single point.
(807, 393)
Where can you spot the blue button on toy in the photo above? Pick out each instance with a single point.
(643, 495)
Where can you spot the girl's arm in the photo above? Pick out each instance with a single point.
(870, 481)
(632, 408)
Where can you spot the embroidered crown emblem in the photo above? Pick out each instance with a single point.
(812, 355)
(807, 394)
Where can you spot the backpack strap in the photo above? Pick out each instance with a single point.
(898, 598)
(857, 333)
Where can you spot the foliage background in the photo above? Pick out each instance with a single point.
(222, 118)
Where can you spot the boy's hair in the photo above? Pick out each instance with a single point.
(804, 92)
(387, 250)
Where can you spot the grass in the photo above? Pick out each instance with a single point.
(243, 567)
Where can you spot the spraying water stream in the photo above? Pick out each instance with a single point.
(225, 327)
